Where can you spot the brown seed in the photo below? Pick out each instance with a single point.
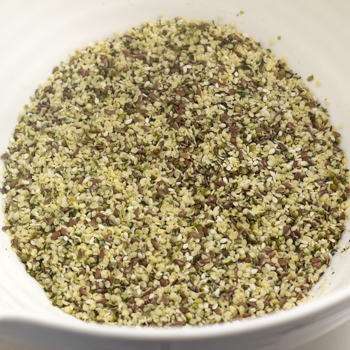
(80, 254)
(231, 289)
(13, 183)
(72, 222)
(220, 183)
(96, 181)
(144, 263)
(82, 291)
(116, 212)
(150, 212)
(55, 235)
(184, 310)
(321, 193)
(165, 300)
(179, 262)
(55, 69)
(262, 261)
(5, 228)
(311, 162)
(64, 232)
(193, 234)
(175, 126)
(102, 301)
(111, 222)
(152, 96)
(86, 113)
(181, 214)
(291, 126)
(300, 296)
(128, 269)
(288, 186)
(283, 147)
(217, 262)
(184, 155)
(109, 111)
(183, 295)
(59, 169)
(15, 242)
(204, 261)
(137, 212)
(141, 191)
(155, 244)
(164, 282)
(79, 179)
(228, 205)
(76, 151)
(68, 95)
(286, 229)
(283, 301)
(243, 304)
(102, 254)
(211, 199)
(282, 262)
(98, 274)
(143, 111)
(297, 175)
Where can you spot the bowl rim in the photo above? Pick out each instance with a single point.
(280, 319)
(275, 321)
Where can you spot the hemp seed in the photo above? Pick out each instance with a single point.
(178, 174)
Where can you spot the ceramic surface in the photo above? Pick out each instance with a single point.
(35, 36)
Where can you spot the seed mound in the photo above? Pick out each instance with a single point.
(178, 174)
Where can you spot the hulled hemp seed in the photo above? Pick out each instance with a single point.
(178, 174)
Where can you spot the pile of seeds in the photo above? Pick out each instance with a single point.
(178, 174)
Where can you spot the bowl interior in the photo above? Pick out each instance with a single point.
(38, 37)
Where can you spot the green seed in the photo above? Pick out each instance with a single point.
(295, 214)
(24, 257)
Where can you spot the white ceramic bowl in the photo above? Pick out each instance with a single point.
(36, 36)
